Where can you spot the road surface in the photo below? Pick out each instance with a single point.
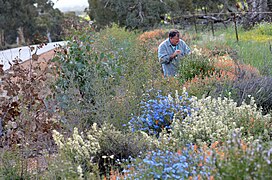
(24, 53)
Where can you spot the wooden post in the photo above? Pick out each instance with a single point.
(195, 24)
(2, 38)
(212, 23)
(235, 25)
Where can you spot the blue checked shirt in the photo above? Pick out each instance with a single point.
(165, 50)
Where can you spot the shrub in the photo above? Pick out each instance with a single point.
(193, 65)
(26, 115)
(100, 146)
(201, 86)
(103, 75)
(158, 111)
(232, 159)
(79, 149)
(164, 164)
(13, 165)
(156, 34)
(116, 145)
(240, 160)
(215, 119)
(258, 87)
(226, 72)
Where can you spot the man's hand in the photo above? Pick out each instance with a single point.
(177, 52)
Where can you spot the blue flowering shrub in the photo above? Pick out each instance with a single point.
(233, 159)
(164, 164)
(158, 111)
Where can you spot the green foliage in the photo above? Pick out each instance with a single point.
(101, 12)
(100, 146)
(214, 120)
(61, 167)
(145, 14)
(265, 29)
(257, 87)
(34, 18)
(253, 47)
(118, 146)
(101, 76)
(195, 65)
(131, 14)
(13, 165)
(244, 161)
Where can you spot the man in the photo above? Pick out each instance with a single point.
(170, 52)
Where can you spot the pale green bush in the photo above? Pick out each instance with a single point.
(78, 150)
(215, 119)
(100, 147)
(79, 146)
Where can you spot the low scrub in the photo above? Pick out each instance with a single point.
(215, 119)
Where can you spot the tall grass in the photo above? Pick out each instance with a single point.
(252, 48)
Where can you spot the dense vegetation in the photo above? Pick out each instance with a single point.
(28, 22)
(101, 109)
(145, 14)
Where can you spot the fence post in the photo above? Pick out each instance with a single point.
(1, 128)
(195, 24)
(212, 24)
(235, 26)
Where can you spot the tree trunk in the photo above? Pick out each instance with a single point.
(2, 38)
(269, 5)
(262, 8)
(21, 36)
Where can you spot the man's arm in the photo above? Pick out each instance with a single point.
(164, 56)
(185, 49)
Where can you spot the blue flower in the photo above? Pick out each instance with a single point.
(157, 113)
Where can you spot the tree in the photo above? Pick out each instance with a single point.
(15, 16)
(101, 12)
(22, 19)
(130, 13)
(255, 12)
(48, 24)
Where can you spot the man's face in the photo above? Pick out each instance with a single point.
(174, 40)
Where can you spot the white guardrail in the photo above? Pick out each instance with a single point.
(24, 53)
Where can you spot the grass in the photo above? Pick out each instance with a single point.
(253, 47)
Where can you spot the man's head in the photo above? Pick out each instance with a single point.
(174, 37)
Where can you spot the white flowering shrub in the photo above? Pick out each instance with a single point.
(102, 146)
(116, 146)
(215, 119)
(79, 148)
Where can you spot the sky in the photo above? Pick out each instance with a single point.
(64, 4)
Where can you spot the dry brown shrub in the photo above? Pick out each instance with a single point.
(26, 116)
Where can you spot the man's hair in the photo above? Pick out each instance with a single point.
(173, 33)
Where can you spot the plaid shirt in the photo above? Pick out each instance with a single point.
(165, 50)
